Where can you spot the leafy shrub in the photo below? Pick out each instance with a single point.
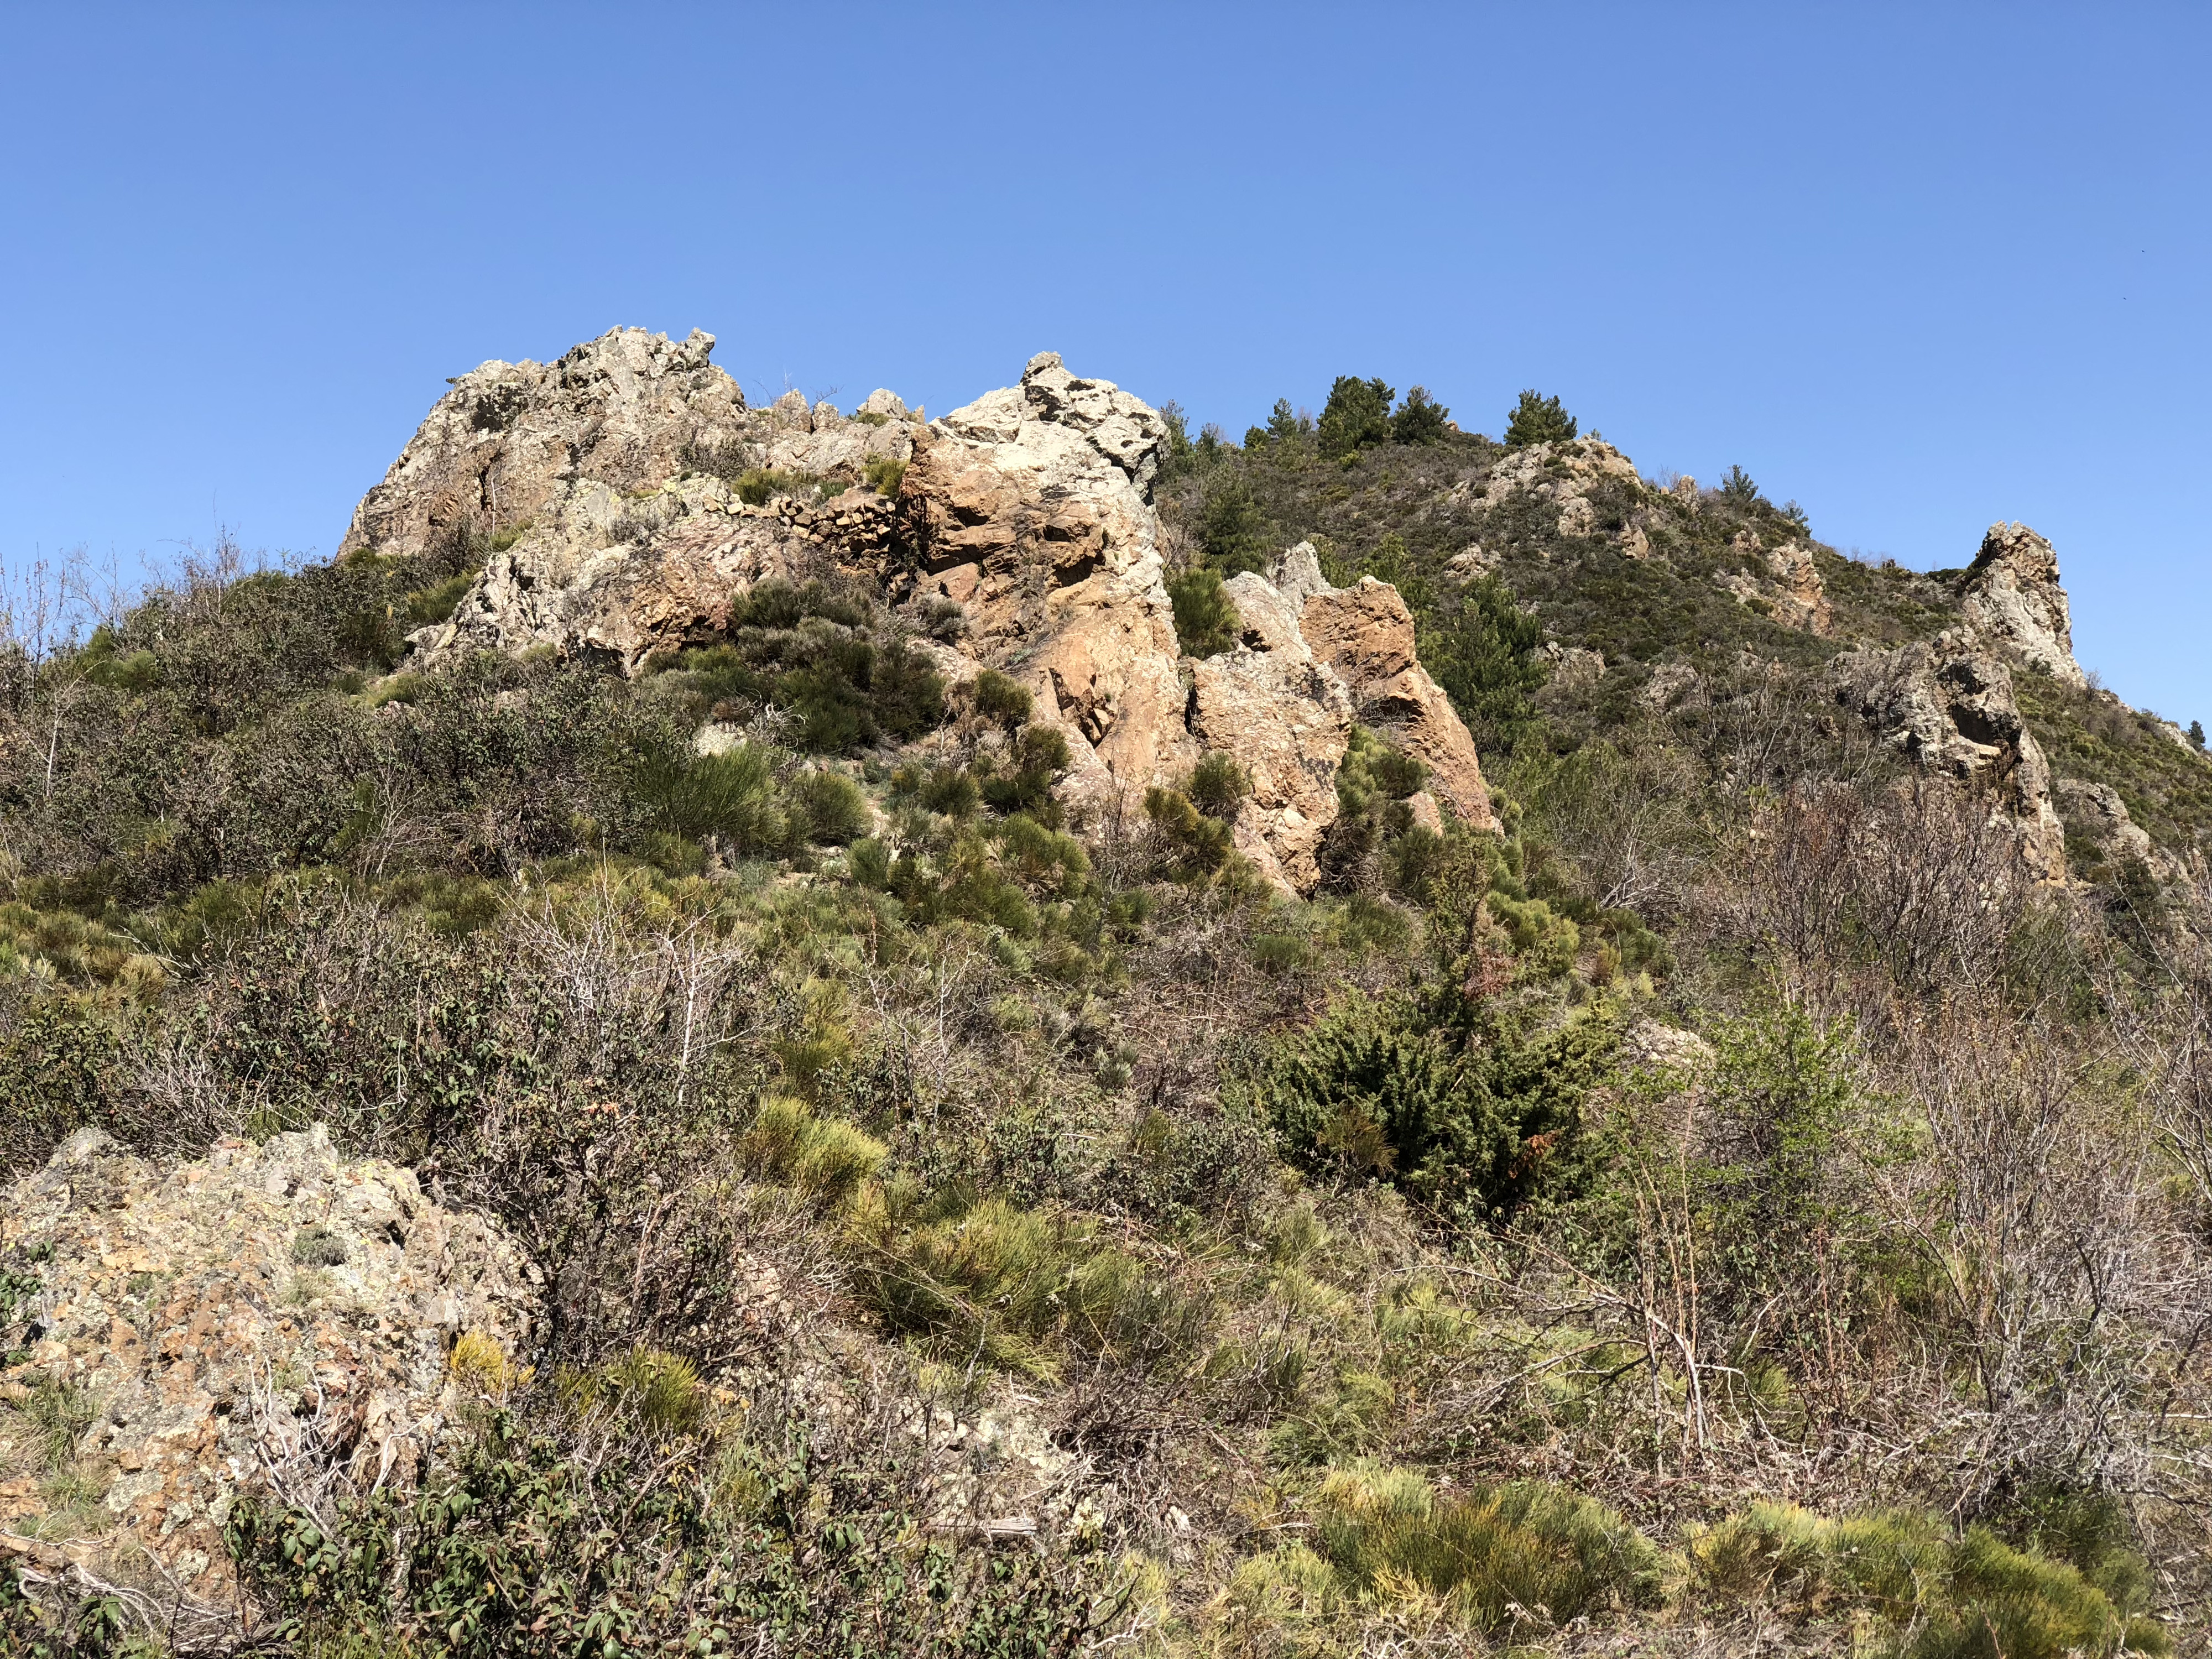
(1964, 1597)
(884, 475)
(1526, 1554)
(1205, 621)
(1538, 420)
(1475, 1130)
(1357, 417)
(435, 604)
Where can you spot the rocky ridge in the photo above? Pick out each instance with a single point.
(601, 483)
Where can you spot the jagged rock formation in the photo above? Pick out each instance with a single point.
(1951, 710)
(1785, 580)
(604, 482)
(2096, 813)
(217, 1311)
(603, 485)
(2013, 599)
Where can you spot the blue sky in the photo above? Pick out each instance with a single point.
(1919, 268)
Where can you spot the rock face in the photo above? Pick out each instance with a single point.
(601, 485)
(1950, 709)
(2012, 598)
(213, 1314)
(2096, 812)
(1031, 510)
(1783, 579)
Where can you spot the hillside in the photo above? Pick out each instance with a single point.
(804, 1031)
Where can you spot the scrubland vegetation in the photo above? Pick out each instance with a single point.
(1729, 1211)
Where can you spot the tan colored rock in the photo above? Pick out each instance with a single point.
(1365, 634)
(177, 1298)
(588, 477)
(2013, 599)
(1784, 580)
(1951, 710)
(2098, 813)
(1032, 507)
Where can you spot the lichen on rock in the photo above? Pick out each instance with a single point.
(208, 1319)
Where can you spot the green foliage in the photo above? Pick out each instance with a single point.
(1357, 417)
(435, 604)
(75, 1626)
(1024, 1287)
(1219, 785)
(723, 1546)
(317, 1246)
(1234, 531)
(56, 1054)
(1199, 844)
(2196, 736)
(1538, 420)
(884, 475)
(1420, 419)
(1205, 621)
(825, 1159)
(1961, 1597)
(1739, 492)
(1002, 700)
(1484, 652)
(1475, 1130)
(1524, 1557)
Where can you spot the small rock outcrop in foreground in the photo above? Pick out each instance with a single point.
(193, 1323)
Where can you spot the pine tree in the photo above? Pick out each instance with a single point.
(1538, 420)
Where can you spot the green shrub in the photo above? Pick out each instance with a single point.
(1198, 845)
(1019, 1286)
(1484, 652)
(1538, 420)
(435, 604)
(831, 806)
(1205, 621)
(1969, 1597)
(731, 795)
(1219, 785)
(884, 475)
(1003, 701)
(1526, 1555)
(825, 1159)
(1476, 1131)
(1234, 531)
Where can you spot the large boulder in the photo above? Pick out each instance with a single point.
(208, 1320)
(1950, 709)
(2012, 600)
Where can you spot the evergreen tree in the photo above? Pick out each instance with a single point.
(1357, 417)
(1538, 420)
(1420, 419)
(2197, 734)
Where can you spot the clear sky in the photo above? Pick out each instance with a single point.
(1918, 267)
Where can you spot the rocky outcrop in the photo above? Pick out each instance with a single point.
(2095, 814)
(211, 1318)
(2013, 600)
(1950, 709)
(1031, 510)
(1783, 582)
(1563, 474)
(602, 487)
(603, 483)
